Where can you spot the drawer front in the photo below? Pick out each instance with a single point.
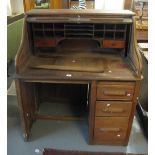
(115, 91)
(45, 42)
(110, 129)
(113, 43)
(113, 108)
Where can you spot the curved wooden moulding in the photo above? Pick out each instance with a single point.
(24, 51)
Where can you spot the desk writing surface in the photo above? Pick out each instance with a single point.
(105, 66)
(69, 63)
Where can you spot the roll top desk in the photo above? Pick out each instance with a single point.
(89, 57)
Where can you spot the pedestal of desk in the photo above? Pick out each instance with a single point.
(111, 108)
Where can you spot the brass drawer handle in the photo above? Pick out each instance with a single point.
(116, 93)
(110, 129)
(113, 110)
(68, 75)
(128, 94)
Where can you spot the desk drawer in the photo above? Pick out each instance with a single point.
(115, 91)
(113, 108)
(113, 43)
(110, 129)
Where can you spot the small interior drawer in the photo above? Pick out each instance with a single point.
(115, 91)
(110, 129)
(44, 42)
(113, 108)
(113, 43)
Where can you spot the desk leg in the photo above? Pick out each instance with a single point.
(25, 96)
(92, 102)
(135, 101)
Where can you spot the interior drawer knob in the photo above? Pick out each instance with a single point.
(118, 135)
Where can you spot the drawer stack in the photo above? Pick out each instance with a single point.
(112, 111)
